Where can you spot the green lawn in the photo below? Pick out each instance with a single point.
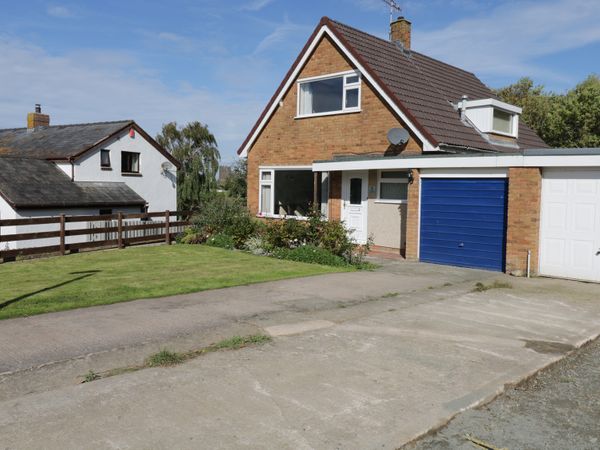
(112, 276)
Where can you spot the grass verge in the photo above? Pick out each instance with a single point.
(167, 358)
(113, 276)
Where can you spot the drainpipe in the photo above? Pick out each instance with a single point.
(528, 263)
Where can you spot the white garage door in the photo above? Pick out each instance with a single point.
(570, 224)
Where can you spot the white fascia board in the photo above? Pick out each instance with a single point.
(427, 146)
(461, 162)
(562, 161)
(458, 162)
(494, 103)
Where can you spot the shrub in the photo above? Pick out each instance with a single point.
(191, 236)
(256, 246)
(221, 240)
(289, 233)
(220, 214)
(310, 254)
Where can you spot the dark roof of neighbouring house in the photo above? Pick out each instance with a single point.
(36, 183)
(422, 87)
(64, 142)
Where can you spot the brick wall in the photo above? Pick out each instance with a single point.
(289, 141)
(523, 220)
(412, 218)
(335, 195)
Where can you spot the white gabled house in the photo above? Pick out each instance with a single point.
(82, 169)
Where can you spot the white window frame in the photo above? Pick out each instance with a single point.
(347, 86)
(272, 170)
(389, 180)
(514, 124)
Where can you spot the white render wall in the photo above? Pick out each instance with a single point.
(157, 188)
(6, 212)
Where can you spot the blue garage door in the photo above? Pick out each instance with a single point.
(463, 222)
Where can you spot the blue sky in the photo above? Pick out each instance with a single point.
(219, 61)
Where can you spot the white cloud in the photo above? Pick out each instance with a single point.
(256, 5)
(59, 11)
(280, 33)
(111, 86)
(507, 40)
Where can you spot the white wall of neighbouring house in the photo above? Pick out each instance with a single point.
(6, 212)
(157, 186)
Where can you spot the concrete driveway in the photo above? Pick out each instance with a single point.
(360, 360)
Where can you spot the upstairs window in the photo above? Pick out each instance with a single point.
(130, 162)
(329, 95)
(503, 122)
(105, 159)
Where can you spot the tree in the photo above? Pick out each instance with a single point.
(196, 148)
(567, 120)
(236, 183)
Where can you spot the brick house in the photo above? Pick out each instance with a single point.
(423, 158)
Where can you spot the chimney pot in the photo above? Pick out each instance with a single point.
(400, 30)
(37, 119)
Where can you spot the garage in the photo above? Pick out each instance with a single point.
(463, 222)
(570, 224)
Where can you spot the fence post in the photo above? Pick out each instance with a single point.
(120, 230)
(62, 234)
(168, 227)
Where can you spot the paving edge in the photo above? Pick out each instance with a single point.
(499, 392)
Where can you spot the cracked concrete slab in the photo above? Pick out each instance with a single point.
(386, 371)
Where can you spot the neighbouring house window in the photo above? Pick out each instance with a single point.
(393, 186)
(286, 192)
(105, 159)
(502, 122)
(329, 95)
(130, 162)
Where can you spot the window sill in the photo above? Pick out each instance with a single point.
(280, 216)
(332, 113)
(105, 168)
(131, 174)
(392, 202)
(501, 133)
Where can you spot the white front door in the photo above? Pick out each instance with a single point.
(354, 203)
(570, 224)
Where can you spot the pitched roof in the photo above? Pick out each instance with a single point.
(57, 141)
(36, 183)
(63, 142)
(421, 87)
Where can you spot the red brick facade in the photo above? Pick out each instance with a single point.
(287, 141)
(412, 217)
(523, 220)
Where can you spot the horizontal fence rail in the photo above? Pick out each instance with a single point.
(98, 232)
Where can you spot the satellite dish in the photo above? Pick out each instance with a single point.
(166, 166)
(398, 136)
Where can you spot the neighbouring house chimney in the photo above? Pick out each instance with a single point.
(37, 119)
(400, 32)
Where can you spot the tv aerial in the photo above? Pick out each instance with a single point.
(394, 6)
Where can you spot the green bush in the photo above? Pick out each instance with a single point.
(288, 233)
(221, 240)
(220, 214)
(310, 254)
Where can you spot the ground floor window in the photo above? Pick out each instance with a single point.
(392, 186)
(286, 192)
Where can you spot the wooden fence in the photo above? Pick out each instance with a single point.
(117, 230)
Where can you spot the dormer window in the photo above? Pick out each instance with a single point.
(502, 122)
(492, 116)
(329, 94)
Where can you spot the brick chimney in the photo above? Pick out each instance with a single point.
(400, 32)
(37, 119)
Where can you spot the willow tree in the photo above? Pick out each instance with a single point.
(196, 148)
